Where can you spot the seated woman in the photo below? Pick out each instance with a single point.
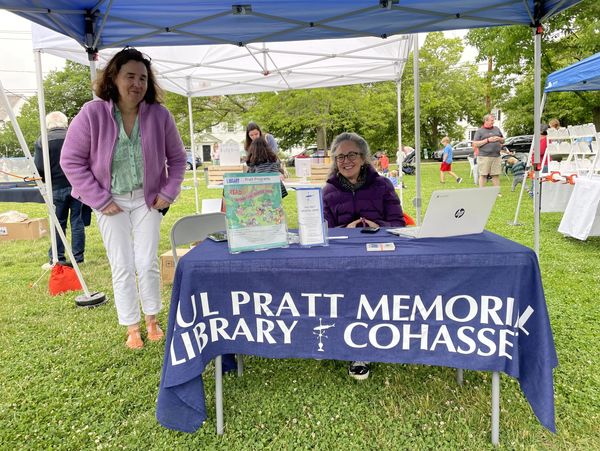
(355, 195)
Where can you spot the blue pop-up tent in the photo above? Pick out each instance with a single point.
(581, 76)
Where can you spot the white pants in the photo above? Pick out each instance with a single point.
(131, 241)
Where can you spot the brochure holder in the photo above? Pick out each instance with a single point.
(253, 212)
(312, 229)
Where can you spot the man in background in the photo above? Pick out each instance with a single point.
(64, 204)
(488, 142)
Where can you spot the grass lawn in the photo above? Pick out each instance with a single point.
(68, 382)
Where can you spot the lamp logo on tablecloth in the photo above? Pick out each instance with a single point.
(320, 332)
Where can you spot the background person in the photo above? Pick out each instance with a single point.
(253, 131)
(384, 162)
(446, 166)
(488, 142)
(355, 195)
(67, 208)
(260, 158)
(115, 155)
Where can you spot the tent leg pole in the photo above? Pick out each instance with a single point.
(537, 41)
(417, 98)
(192, 144)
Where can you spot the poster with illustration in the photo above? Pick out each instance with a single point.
(253, 210)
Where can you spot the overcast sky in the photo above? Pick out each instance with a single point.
(17, 67)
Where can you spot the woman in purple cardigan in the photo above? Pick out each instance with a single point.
(115, 155)
(355, 195)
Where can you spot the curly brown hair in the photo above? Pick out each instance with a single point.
(105, 87)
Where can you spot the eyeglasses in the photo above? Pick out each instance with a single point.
(351, 156)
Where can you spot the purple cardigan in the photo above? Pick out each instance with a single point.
(376, 200)
(87, 153)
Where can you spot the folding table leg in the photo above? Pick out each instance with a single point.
(219, 393)
(495, 408)
(459, 376)
(240, 364)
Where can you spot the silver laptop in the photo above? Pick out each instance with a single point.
(453, 213)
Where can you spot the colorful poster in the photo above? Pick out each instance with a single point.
(254, 214)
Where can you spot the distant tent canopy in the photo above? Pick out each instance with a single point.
(581, 76)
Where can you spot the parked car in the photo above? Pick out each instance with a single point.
(306, 153)
(518, 144)
(189, 163)
(461, 151)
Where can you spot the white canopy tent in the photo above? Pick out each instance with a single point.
(208, 70)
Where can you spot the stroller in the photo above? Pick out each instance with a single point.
(408, 166)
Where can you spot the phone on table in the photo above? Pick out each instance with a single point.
(218, 236)
(369, 230)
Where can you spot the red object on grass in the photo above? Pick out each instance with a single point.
(63, 279)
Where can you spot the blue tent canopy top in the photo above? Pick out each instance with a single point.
(98, 24)
(581, 76)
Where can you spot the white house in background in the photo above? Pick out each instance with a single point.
(16, 103)
(210, 141)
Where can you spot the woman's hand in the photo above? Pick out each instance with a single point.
(111, 210)
(160, 203)
(370, 223)
(353, 224)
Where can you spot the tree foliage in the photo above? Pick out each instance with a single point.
(568, 37)
(65, 90)
(449, 92)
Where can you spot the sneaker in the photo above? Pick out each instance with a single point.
(530, 194)
(459, 180)
(499, 195)
(359, 370)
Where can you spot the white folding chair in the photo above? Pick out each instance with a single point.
(190, 229)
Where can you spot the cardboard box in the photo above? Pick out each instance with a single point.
(167, 265)
(32, 229)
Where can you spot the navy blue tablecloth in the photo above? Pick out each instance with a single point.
(474, 302)
(20, 192)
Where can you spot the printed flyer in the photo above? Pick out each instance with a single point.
(254, 214)
(311, 225)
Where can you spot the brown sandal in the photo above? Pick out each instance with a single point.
(134, 339)
(155, 333)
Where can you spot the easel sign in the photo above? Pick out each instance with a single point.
(302, 167)
(230, 154)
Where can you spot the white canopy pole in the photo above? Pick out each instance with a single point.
(399, 108)
(192, 144)
(417, 97)
(45, 152)
(41, 187)
(529, 158)
(537, 41)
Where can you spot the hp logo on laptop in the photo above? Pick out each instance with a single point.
(459, 213)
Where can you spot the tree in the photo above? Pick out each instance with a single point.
(568, 38)
(65, 90)
(449, 91)
(206, 111)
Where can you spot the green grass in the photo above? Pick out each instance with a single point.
(68, 382)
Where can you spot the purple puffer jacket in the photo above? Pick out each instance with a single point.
(87, 153)
(376, 200)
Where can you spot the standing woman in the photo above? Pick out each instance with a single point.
(116, 155)
(253, 131)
